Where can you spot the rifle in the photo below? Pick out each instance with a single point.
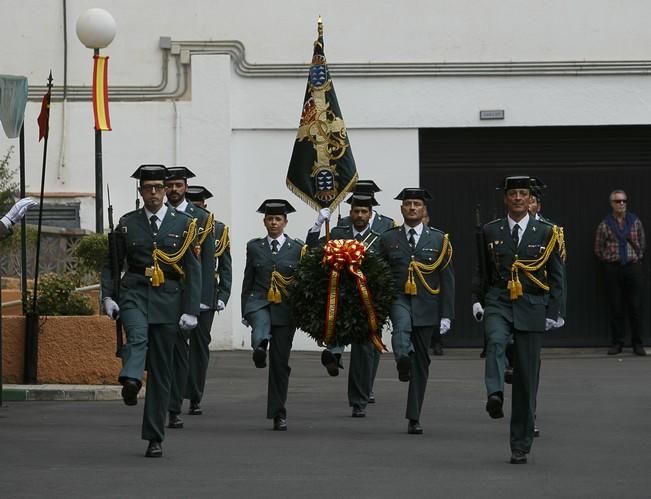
(115, 273)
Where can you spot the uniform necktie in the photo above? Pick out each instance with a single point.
(412, 238)
(359, 237)
(514, 235)
(152, 222)
(274, 247)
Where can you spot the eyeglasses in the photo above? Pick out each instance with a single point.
(619, 201)
(152, 187)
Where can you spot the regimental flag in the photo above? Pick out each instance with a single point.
(100, 93)
(322, 168)
(44, 115)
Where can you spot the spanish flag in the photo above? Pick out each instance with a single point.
(100, 93)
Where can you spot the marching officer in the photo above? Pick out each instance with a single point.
(159, 293)
(520, 296)
(223, 278)
(176, 185)
(379, 223)
(362, 355)
(271, 262)
(421, 258)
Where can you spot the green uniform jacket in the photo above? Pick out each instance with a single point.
(370, 238)
(529, 311)
(207, 254)
(425, 309)
(380, 224)
(163, 304)
(260, 263)
(224, 277)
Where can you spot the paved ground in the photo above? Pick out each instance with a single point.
(594, 414)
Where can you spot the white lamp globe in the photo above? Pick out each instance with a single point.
(96, 28)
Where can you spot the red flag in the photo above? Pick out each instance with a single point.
(44, 117)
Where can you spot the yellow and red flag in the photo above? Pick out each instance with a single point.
(100, 93)
(44, 117)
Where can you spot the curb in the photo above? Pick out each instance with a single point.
(23, 393)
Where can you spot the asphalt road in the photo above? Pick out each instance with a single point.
(593, 411)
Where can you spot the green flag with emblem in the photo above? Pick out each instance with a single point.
(322, 168)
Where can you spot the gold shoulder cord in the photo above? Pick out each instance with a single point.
(223, 243)
(158, 277)
(203, 233)
(279, 283)
(421, 269)
(528, 266)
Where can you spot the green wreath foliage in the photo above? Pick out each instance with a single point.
(309, 290)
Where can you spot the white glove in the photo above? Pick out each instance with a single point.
(560, 322)
(17, 211)
(324, 214)
(245, 322)
(550, 324)
(445, 326)
(188, 322)
(477, 311)
(220, 306)
(112, 309)
(203, 306)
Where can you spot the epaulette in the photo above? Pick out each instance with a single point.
(298, 241)
(256, 239)
(434, 229)
(129, 215)
(494, 221)
(395, 227)
(546, 222)
(189, 215)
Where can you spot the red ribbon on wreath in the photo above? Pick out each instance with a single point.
(342, 255)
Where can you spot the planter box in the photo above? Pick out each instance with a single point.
(71, 350)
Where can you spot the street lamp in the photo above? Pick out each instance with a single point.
(96, 30)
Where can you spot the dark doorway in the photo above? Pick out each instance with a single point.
(461, 167)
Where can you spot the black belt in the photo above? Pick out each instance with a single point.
(141, 271)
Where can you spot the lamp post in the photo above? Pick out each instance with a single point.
(96, 30)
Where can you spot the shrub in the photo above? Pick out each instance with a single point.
(57, 296)
(91, 252)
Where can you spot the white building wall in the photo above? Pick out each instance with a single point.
(236, 132)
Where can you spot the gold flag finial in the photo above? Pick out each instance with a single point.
(320, 26)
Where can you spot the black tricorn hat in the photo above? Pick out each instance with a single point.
(179, 173)
(362, 200)
(197, 193)
(413, 193)
(276, 207)
(515, 182)
(366, 187)
(150, 172)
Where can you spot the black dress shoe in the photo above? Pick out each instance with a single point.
(508, 375)
(195, 409)
(414, 427)
(518, 457)
(482, 354)
(437, 349)
(404, 368)
(639, 350)
(280, 423)
(536, 431)
(154, 449)
(371, 398)
(260, 357)
(494, 406)
(615, 349)
(358, 412)
(130, 389)
(174, 421)
(330, 362)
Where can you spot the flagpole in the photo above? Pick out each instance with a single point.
(23, 223)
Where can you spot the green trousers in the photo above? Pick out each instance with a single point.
(280, 340)
(526, 369)
(150, 345)
(199, 357)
